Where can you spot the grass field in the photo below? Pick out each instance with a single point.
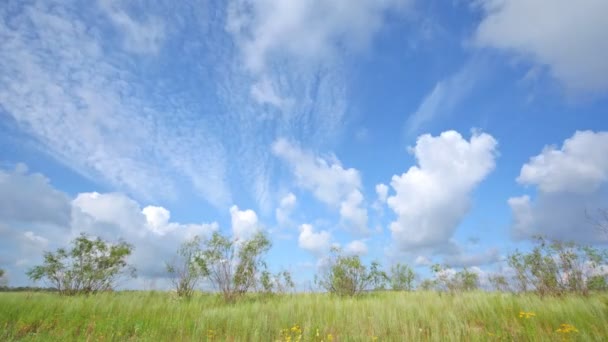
(389, 316)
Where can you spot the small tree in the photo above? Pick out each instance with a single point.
(448, 280)
(348, 276)
(90, 266)
(402, 278)
(234, 266)
(280, 282)
(187, 269)
(3, 278)
(555, 267)
(499, 283)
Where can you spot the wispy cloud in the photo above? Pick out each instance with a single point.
(123, 100)
(444, 98)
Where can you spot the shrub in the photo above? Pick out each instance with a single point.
(187, 269)
(90, 266)
(234, 266)
(348, 276)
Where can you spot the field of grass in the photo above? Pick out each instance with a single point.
(389, 316)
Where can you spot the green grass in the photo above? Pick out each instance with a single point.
(390, 316)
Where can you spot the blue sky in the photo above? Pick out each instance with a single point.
(402, 130)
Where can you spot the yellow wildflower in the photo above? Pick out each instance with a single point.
(566, 329)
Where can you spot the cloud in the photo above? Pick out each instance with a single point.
(568, 38)
(29, 197)
(432, 198)
(382, 192)
(63, 85)
(356, 247)
(140, 36)
(446, 95)
(316, 243)
(570, 182)
(244, 223)
(329, 182)
(462, 259)
(580, 166)
(285, 208)
(111, 216)
(305, 30)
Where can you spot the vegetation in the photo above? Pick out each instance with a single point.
(348, 276)
(354, 307)
(234, 266)
(90, 266)
(381, 316)
(187, 269)
(451, 281)
(3, 278)
(402, 278)
(557, 268)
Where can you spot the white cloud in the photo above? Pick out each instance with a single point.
(62, 84)
(431, 199)
(244, 223)
(446, 95)
(354, 213)
(580, 166)
(356, 247)
(570, 182)
(111, 216)
(285, 208)
(382, 192)
(422, 261)
(305, 30)
(140, 36)
(316, 243)
(569, 37)
(30, 197)
(329, 182)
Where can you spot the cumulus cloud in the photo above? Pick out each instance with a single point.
(244, 223)
(356, 247)
(569, 37)
(432, 198)
(111, 216)
(329, 182)
(286, 206)
(29, 197)
(382, 192)
(569, 181)
(317, 243)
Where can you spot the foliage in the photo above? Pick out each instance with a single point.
(448, 280)
(499, 282)
(186, 269)
(556, 268)
(348, 276)
(402, 278)
(3, 278)
(90, 266)
(280, 282)
(234, 265)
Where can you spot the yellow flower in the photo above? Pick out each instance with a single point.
(566, 329)
(523, 314)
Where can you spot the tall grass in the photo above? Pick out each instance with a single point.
(389, 316)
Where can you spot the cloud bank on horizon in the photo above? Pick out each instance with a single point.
(386, 128)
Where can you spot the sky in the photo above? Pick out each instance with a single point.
(402, 131)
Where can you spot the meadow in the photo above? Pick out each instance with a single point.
(381, 316)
